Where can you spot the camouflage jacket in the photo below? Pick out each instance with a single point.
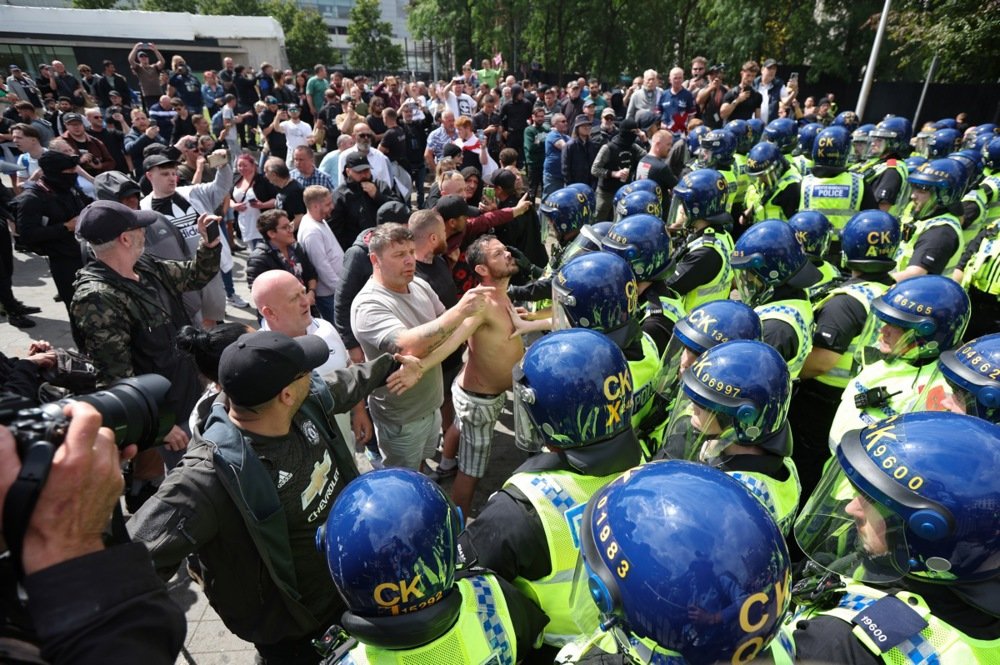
(130, 327)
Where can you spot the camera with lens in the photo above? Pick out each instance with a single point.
(876, 397)
(132, 408)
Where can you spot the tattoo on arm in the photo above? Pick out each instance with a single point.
(392, 344)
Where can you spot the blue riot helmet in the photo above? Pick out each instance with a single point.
(589, 239)
(643, 185)
(832, 147)
(567, 210)
(890, 137)
(978, 134)
(580, 363)
(942, 143)
(806, 138)
(744, 136)
(781, 132)
(913, 496)
(913, 163)
(390, 546)
(943, 179)
(756, 126)
(765, 166)
(640, 202)
(694, 138)
(643, 241)
(918, 318)
(869, 240)
(813, 231)
(978, 141)
(848, 120)
(766, 256)
(588, 192)
(972, 378)
(716, 149)
(704, 327)
(701, 195)
(946, 123)
(991, 154)
(597, 291)
(685, 565)
(859, 141)
(973, 163)
(737, 392)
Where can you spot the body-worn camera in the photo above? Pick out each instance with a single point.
(132, 408)
(875, 397)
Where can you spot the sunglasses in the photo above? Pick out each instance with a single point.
(366, 136)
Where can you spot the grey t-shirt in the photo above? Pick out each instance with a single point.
(376, 314)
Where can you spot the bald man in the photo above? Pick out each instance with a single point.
(282, 301)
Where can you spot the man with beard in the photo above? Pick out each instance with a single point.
(378, 163)
(480, 391)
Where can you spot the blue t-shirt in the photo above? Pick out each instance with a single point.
(675, 109)
(553, 156)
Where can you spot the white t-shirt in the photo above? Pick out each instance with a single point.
(296, 134)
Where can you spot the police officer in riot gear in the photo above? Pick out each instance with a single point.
(772, 275)
(911, 324)
(685, 565)
(703, 272)
(774, 187)
(731, 413)
(390, 546)
(831, 189)
(814, 233)
(901, 534)
(868, 243)
(972, 380)
(884, 170)
(932, 241)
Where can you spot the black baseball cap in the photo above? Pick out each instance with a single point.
(158, 160)
(72, 117)
(770, 62)
(103, 221)
(256, 367)
(357, 162)
(453, 207)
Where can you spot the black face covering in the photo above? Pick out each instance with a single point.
(61, 181)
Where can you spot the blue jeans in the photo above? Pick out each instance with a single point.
(550, 183)
(325, 306)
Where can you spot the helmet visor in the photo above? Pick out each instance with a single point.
(886, 341)
(845, 531)
(876, 146)
(527, 437)
(765, 180)
(750, 286)
(585, 241)
(675, 359)
(697, 433)
(676, 216)
(561, 299)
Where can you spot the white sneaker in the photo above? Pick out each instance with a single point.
(236, 301)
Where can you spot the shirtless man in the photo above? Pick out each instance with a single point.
(480, 390)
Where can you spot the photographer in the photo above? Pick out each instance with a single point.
(88, 604)
(742, 102)
(710, 97)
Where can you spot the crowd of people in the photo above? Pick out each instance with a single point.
(750, 346)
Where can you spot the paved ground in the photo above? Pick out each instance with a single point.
(208, 641)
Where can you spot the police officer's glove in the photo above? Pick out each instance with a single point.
(524, 264)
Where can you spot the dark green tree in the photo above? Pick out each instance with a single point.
(370, 39)
(94, 4)
(307, 39)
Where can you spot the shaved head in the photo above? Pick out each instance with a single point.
(280, 299)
